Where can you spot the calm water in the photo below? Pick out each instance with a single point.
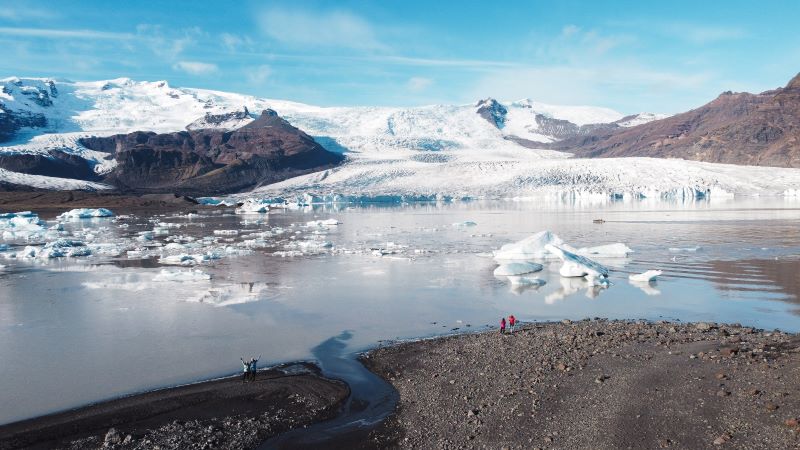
(88, 329)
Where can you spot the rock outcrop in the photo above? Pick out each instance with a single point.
(736, 128)
(212, 161)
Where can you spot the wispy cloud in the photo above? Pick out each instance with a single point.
(324, 29)
(417, 84)
(53, 33)
(168, 44)
(24, 11)
(259, 75)
(195, 67)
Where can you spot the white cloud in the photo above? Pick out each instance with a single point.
(233, 42)
(53, 33)
(258, 75)
(417, 84)
(326, 29)
(195, 67)
(168, 45)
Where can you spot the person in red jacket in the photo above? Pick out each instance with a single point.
(511, 322)
(502, 325)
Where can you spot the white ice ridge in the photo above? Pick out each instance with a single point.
(645, 277)
(86, 213)
(579, 266)
(535, 247)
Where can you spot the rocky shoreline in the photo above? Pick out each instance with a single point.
(595, 384)
(223, 413)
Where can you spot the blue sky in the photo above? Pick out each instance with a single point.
(628, 55)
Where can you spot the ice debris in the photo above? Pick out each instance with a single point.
(252, 206)
(86, 213)
(323, 223)
(21, 225)
(645, 277)
(532, 247)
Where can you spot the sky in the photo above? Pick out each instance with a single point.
(632, 56)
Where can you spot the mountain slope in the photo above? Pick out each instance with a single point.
(737, 128)
(212, 161)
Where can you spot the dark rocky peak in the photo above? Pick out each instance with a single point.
(227, 120)
(491, 110)
(794, 83)
(268, 118)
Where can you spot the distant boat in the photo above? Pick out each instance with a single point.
(598, 221)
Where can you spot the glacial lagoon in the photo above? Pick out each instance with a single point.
(168, 300)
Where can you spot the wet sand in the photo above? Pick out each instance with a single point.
(223, 413)
(595, 385)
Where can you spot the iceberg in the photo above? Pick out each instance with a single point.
(86, 213)
(533, 247)
(579, 266)
(251, 206)
(21, 225)
(645, 277)
(517, 268)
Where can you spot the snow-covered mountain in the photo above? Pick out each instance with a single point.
(486, 148)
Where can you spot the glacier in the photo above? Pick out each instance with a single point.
(393, 154)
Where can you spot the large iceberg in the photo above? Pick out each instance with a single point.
(535, 248)
(579, 266)
(529, 248)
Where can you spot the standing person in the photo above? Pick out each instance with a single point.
(502, 325)
(245, 370)
(511, 322)
(254, 368)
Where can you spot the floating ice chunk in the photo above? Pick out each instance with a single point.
(323, 223)
(645, 277)
(685, 249)
(579, 266)
(226, 232)
(464, 224)
(21, 225)
(183, 259)
(252, 206)
(3, 247)
(617, 250)
(86, 213)
(533, 247)
(182, 275)
(64, 248)
(517, 268)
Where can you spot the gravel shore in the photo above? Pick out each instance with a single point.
(222, 413)
(595, 384)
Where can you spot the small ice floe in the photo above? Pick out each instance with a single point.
(226, 232)
(323, 223)
(618, 250)
(252, 206)
(685, 249)
(182, 275)
(86, 213)
(517, 268)
(645, 277)
(465, 224)
(62, 248)
(579, 266)
(183, 259)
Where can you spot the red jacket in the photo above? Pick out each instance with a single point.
(512, 320)
(503, 322)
